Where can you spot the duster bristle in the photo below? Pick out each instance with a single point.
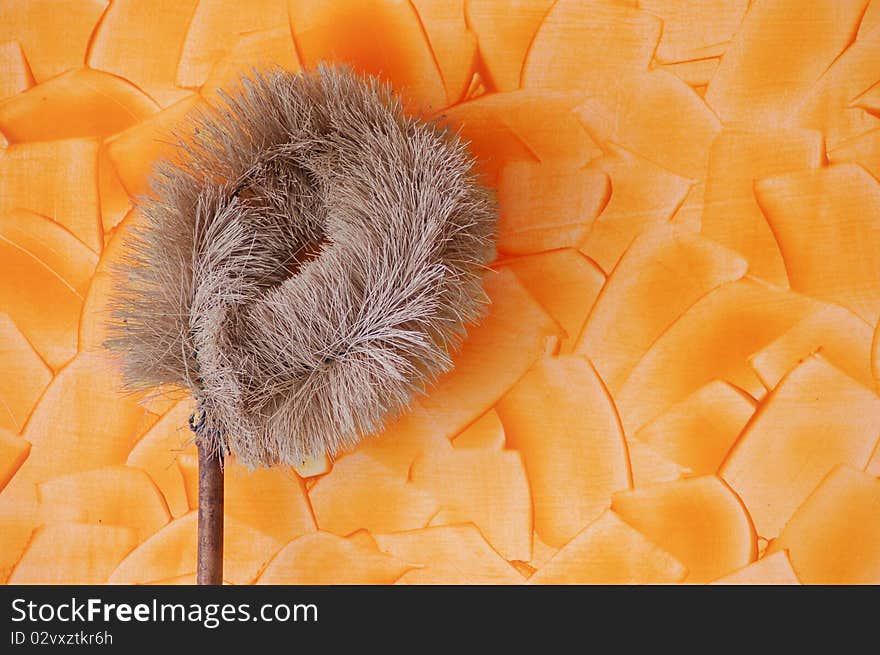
(308, 267)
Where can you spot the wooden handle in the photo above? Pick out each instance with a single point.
(210, 553)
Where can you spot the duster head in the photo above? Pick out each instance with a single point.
(305, 265)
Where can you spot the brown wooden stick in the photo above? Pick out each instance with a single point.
(210, 553)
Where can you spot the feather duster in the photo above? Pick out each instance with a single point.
(307, 263)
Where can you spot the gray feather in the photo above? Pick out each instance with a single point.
(308, 268)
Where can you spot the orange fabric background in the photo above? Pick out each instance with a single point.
(677, 381)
